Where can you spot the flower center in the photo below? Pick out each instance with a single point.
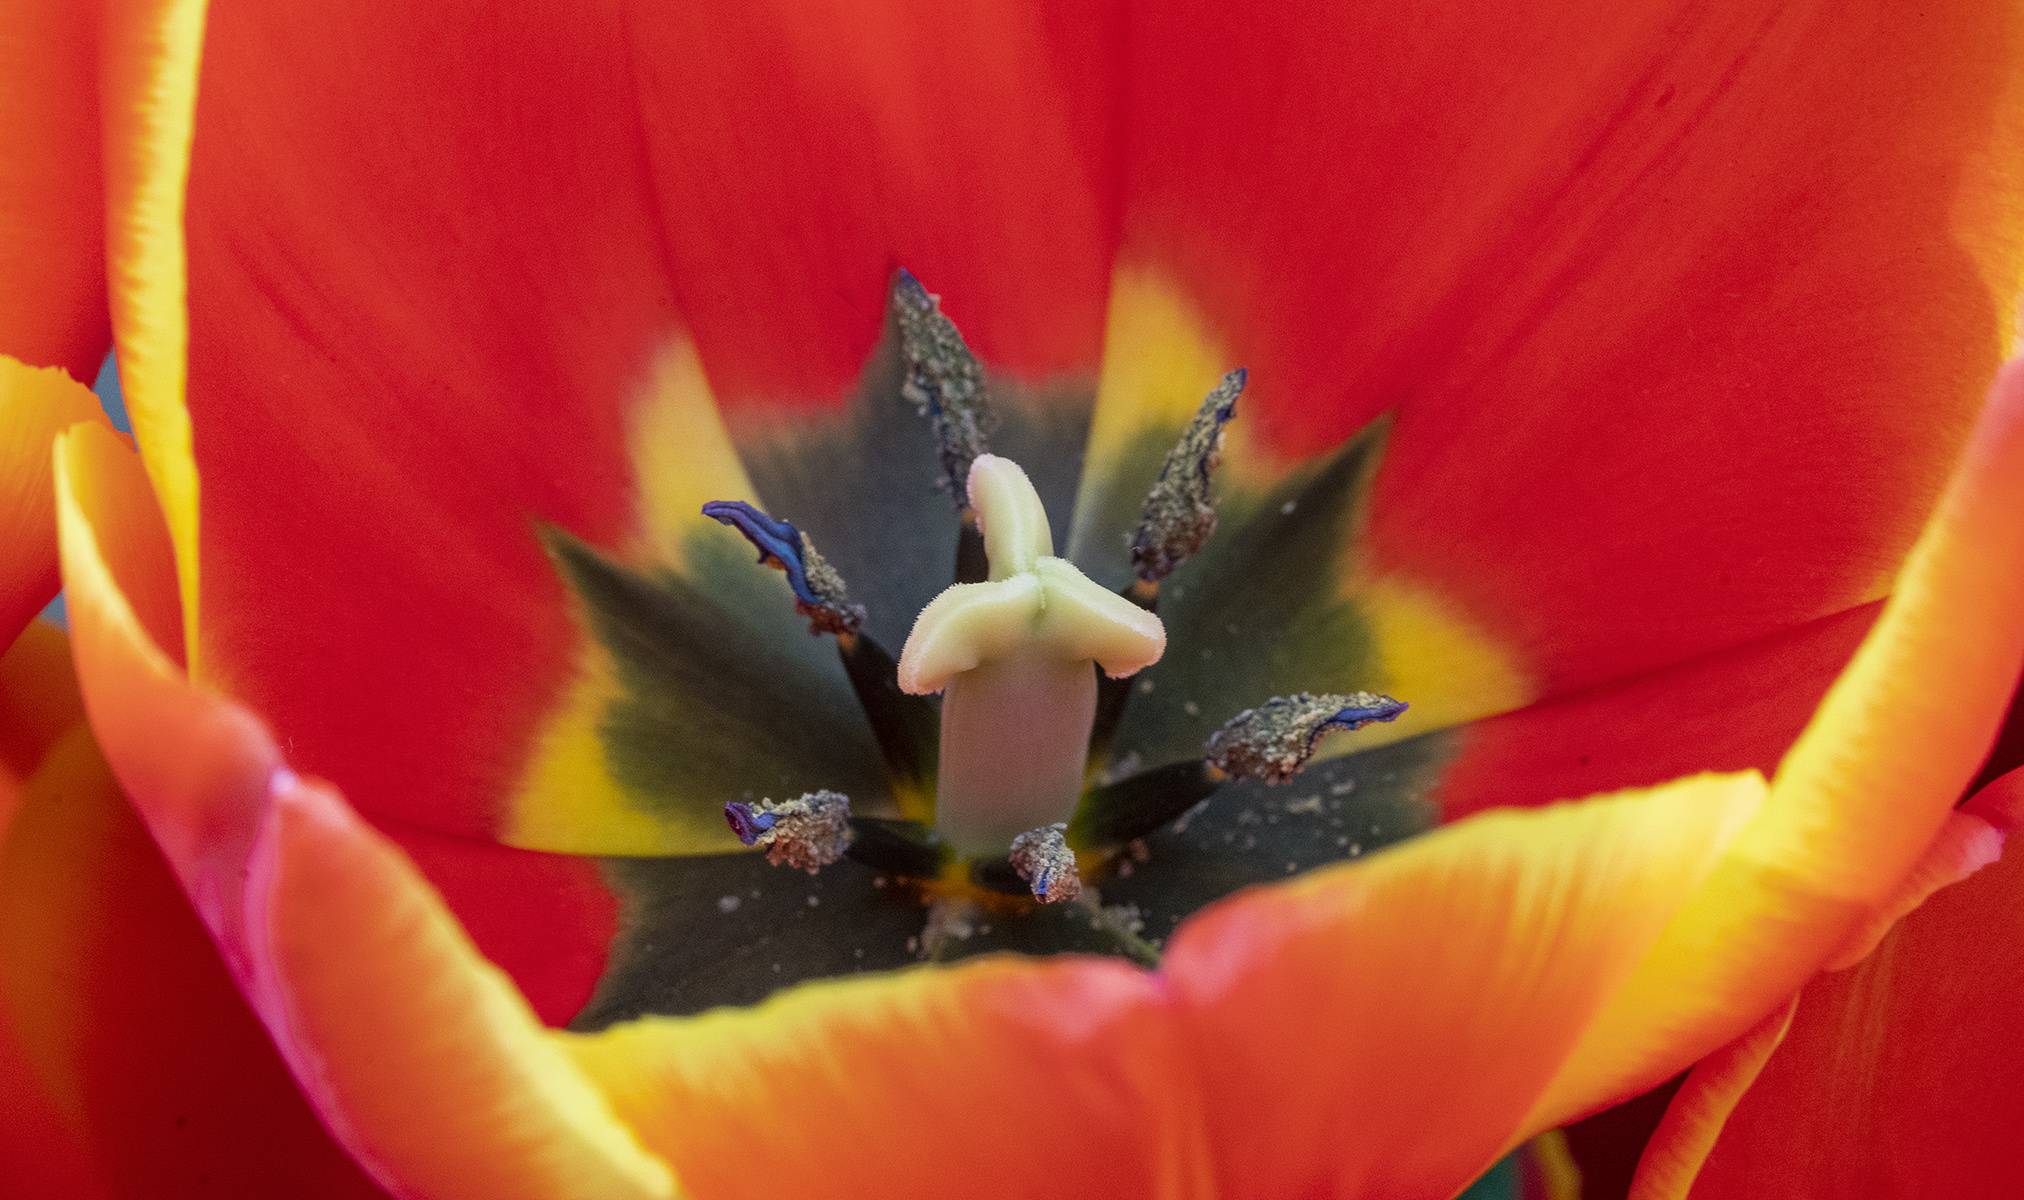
(1020, 789)
(1032, 660)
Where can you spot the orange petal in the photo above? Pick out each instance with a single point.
(418, 1054)
(124, 1022)
(1858, 800)
(34, 405)
(1683, 311)
(38, 697)
(1899, 1078)
(1694, 1119)
(42, 1145)
(1383, 1028)
(198, 771)
(421, 1054)
(1015, 1078)
(52, 206)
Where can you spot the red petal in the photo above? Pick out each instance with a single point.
(545, 919)
(1859, 799)
(1684, 310)
(39, 702)
(52, 202)
(1731, 711)
(435, 253)
(1695, 1117)
(1899, 1078)
(417, 1053)
(803, 151)
(424, 276)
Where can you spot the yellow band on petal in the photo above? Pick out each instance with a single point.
(682, 456)
(149, 78)
(1159, 360)
(1451, 668)
(567, 800)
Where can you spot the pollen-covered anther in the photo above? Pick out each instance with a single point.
(1274, 741)
(819, 593)
(944, 381)
(1043, 859)
(810, 831)
(1179, 512)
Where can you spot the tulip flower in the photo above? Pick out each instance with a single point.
(1606, 368)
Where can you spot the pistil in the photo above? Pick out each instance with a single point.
(1013, 657)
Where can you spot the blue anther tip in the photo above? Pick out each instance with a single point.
(776, 541)
(1363, 714)
(747, 824)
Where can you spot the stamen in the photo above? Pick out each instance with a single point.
(1274, 741)
(944, 381)
(904, 725)
(810, 831)
(819, 593)
(1043, 859)
(1179, 512)
(1178, 519)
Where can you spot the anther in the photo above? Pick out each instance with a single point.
(1043, 859)
(1274, 741)
(1179, 513)
(819, 593)
(904, 725)
(943, 380)
(1178, 518)
(810, 831)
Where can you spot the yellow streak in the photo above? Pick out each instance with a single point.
(152, 49)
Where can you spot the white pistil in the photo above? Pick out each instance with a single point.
(1014, 655)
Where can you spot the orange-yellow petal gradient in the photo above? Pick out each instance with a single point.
(1694, 1119)
(1860, 798)
(1003, 1078)
(1900, 1076)
(424, 1057)
(52, 205)
(34, 405)
(419, 1055)
(1383, 1028)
